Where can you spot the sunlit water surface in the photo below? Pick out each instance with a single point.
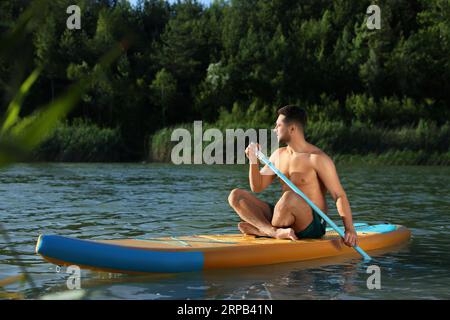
(115, 201)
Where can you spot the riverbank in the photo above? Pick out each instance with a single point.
(423, 144)
(80, 141)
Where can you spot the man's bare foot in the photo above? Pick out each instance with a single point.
(247, 228)
(285, 233)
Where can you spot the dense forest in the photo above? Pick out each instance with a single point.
(238, 59)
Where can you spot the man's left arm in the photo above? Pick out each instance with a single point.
(328, 175)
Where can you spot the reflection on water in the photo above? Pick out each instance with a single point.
(113, 201)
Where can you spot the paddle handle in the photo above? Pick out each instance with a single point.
(294, 188)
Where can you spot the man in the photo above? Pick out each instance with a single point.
(310, 169)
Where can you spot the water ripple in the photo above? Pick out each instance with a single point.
(113, 201)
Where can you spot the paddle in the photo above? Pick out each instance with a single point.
(266, 161)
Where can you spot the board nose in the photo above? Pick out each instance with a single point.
(38, 244)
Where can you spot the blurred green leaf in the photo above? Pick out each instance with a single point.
(12, 113)
(19, 137)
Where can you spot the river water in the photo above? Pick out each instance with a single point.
(114, 201)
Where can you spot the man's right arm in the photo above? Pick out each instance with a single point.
(260, 179)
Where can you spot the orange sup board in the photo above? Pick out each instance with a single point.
(202, 252)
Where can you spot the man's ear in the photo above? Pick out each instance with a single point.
(292, 128)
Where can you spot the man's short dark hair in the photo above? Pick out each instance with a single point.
(293, 114)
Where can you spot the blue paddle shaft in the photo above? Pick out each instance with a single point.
(294, 188)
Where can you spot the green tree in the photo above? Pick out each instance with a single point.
(164, 90)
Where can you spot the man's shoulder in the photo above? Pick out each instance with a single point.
(317, 152)
(279, 151)
(313, 150)
(319, 156)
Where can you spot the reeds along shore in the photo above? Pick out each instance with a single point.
(423, 144)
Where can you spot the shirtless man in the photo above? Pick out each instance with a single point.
(310, 169)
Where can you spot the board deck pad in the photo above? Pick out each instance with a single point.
(221, 240)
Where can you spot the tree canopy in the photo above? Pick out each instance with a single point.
(187, 61)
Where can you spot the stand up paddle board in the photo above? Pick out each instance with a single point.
(203, 252)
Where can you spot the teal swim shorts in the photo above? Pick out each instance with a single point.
(316, 229)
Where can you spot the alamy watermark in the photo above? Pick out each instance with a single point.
(74, 20)
(73, 282)
(374, 280)
(374, 20)
(219, 150)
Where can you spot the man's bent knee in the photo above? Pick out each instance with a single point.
(289, 196)
(291, 201)
(283, 219)
(235, 196)
(286, 207)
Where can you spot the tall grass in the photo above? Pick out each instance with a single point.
(80, 141)
(425, 143)
(359, 138)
